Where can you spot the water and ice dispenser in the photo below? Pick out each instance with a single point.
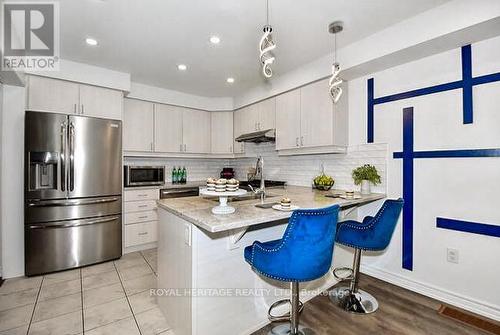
(43, 170)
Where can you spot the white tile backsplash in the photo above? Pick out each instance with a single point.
(295, 170)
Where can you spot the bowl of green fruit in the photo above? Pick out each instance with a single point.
(323, 182)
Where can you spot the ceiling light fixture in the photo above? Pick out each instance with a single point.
(266, 46)
(182, 67)
(335, 81)
(215, 39)
(91, 41)
(230, 80)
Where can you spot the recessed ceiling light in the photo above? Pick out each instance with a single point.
(91, 41)
(215, 39)
(182, 67)
(230, 80)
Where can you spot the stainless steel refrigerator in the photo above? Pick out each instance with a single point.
(73, 199)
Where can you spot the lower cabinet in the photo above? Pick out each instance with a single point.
(140, 218)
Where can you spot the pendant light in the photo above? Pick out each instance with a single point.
(335, 81)
(266, 47)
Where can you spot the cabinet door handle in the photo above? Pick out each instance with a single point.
(259, 126)
(74, 109)
(185, 147)
(302, 141)
(297, 141)
(180, 147)
(143, 233)
(83, 111)
(142, 217)
(230, 148)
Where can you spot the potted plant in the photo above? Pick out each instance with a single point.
(366, 175)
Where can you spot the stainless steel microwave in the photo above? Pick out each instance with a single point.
(143, 175)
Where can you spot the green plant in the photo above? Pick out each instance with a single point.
(366, 172)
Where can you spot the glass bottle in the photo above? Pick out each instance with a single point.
(174, 175)
(184, 175)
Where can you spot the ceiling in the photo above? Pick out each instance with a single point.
(149, 38)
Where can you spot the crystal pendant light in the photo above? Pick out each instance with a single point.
(335, 81)
(266, 47)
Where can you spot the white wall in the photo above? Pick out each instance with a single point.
(464, 188)
(12, 186)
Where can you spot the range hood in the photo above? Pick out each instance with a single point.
(268, 135)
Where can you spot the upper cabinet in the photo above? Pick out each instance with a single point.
(150, 128)
(288, 120)
(168, 128)
(60, 96)
(266, 111)
(307, 121)
(196, 131)
(138, 125)
(222, 132)
(101, 102)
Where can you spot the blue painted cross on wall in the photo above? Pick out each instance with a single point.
(408, 154)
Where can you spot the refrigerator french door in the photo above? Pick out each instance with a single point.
(73, 199)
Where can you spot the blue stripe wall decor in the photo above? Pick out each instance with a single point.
(408, 155)
(466, 84)
(468, 227)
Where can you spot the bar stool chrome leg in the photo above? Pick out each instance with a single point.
(293, 327)
(352, 299)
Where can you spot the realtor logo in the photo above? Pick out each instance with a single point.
(30, 36)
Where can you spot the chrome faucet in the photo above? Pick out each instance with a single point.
(259, 171)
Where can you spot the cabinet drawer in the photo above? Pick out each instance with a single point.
(136, 195)
(136, 217)
(141, 233)
(140, 206)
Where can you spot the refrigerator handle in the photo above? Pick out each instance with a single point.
(63, 156)
(71, 156)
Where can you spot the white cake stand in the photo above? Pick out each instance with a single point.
(223, 207)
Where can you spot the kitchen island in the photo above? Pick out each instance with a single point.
(204, 284)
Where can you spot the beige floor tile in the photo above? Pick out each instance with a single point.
(101, 279)
(60, 289)
(150, 252)
(16, 331)
(139, 284)
(62, 276)
(123, 327)
(103, 294)
(152, 322)
(16, 317)
(135, 271)
(98, 268)
(142, 302)
(20, 284)
(101, 315)
(128, 260)
(52, 308)
(67, 324)
(18, 299)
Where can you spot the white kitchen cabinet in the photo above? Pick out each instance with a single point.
(52, 95)
(140, 218)
(168, 128)
(307, 121)
(101, 102)
(222, 132)
(316, 109)
(239, 129)
(195, 131)
(61, 96)
(266, 113)
(288, 120)
(138, 123)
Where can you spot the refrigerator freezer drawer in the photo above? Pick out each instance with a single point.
(59, 210)
(62, 245)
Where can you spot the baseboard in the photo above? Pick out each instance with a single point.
(457, 300)
(140, 247)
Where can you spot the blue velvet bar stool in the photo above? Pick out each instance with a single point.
(373, 234)
(303, 254)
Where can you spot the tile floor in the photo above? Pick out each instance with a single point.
(104, 299)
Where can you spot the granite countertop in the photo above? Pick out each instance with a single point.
(197, 210)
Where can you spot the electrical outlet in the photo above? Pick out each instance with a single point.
(452, 255)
